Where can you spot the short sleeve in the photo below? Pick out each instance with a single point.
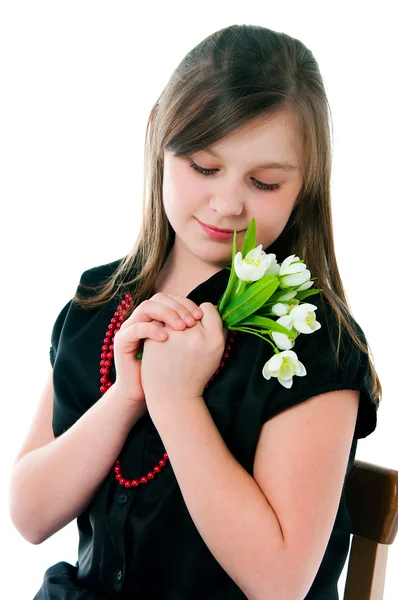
(317, 351)
(89, 277)
(56, 331)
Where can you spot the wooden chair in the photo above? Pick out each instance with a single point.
(372, 501)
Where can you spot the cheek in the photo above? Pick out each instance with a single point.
(270, 222)
(181, 192)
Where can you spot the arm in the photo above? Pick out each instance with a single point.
(52, 484)
(270, 532)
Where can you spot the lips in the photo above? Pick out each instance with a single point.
(218, 229)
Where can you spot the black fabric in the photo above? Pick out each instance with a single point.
(141, 543)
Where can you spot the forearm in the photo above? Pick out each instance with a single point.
(227, 506)
(52, 485)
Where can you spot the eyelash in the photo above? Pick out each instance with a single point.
(266, 187)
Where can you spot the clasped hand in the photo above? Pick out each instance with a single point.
(179, 367)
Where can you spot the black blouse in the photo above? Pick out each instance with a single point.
(141, 543)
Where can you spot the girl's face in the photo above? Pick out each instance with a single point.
(230, 195)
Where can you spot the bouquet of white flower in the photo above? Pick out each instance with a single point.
(259, 288)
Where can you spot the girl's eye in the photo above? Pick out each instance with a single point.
(259, 184)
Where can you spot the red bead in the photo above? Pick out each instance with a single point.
(105, 366)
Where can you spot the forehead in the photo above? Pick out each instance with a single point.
(268, 142)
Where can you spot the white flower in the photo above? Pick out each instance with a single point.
(305, 286)
(255, 264)
(303, 318)
(282, 308)
(293, 273)
(285, 295)
(274, 267)
(284, 366)
(281, 339)
(290, 265)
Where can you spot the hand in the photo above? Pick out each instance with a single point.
(146, 322)
(180, 367)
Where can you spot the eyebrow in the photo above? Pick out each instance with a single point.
(267, 165)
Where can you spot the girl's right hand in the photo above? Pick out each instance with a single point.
(147, 321)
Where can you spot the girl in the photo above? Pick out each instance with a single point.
(192, 476)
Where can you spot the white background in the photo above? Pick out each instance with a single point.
(78, 81)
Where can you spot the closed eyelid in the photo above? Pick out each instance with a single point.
(260, 185)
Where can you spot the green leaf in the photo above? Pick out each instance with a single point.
(249, 243)
(251, 300)
(264, 322)
(232, 281)
(305, 293)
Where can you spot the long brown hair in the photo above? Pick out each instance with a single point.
(233, 76)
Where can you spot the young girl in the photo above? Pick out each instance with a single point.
(192, 476)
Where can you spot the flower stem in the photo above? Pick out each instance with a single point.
(240, 288)
(249, 330)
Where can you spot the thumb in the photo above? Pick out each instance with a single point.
(211, 319)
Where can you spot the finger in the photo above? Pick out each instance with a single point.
(183, 305)
(211, 316)
(152, 309)
(164, 311)
(194, 309)
(129, 336)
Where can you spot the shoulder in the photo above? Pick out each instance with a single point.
(98, 274)
(332, 361)
(334, 334)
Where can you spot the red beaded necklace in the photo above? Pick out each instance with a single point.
(105, 366)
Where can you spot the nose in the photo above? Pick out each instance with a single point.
(226, 204)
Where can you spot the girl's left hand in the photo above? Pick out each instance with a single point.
(179, 367)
